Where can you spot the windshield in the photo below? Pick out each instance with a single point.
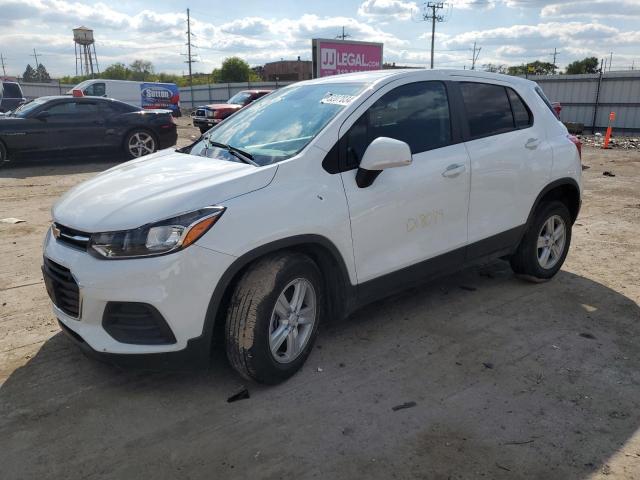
(281, 124)
(26, 108)
(240, 98)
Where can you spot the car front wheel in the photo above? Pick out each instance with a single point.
(273, 317)
(3, 155)
(544, 247)
(139, 143)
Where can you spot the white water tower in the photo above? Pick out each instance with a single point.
(85, 52)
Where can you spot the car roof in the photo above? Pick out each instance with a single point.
(383, 76)
(51, 98)
(258, 90)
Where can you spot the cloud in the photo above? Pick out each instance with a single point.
(593, 8)
(385, 9)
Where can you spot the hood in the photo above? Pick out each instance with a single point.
(155, 187)
(224, 106)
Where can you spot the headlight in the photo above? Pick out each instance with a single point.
(156, 238)
(210, 113)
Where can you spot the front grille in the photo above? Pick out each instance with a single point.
(61, 287)
(69, 236)
(136, 323)
(200, 112)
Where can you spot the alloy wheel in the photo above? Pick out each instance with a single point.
(141, 143)
(551, 241)
(292, 320)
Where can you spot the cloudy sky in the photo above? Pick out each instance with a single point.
(509, 31)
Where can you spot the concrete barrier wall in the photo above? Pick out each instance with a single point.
(220, 92)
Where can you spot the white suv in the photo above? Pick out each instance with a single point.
(311, 202)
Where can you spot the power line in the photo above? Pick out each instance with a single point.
(434, 18)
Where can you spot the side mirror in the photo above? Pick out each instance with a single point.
(381, 154)
(43, 115)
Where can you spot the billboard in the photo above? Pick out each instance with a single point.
(333, 57)
(160, 95)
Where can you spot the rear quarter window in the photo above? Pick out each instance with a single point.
(545, 100)
(521, 113)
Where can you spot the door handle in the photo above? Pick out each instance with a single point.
(454, 170)
(532, 143)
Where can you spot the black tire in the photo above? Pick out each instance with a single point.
(133, 133)
(525, 261)
(248, 323)
(4, 158)
(203, 129)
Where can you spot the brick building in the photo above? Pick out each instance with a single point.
(287, 70)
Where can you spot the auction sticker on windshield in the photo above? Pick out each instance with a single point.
(333, 99)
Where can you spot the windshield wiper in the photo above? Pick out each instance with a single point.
(246, 157)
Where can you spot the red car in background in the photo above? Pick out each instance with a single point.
(208, 116)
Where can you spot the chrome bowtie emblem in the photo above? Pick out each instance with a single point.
(55, 230)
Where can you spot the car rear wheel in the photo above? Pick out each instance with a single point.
(545, 245)
(140, 143)
(273, 317)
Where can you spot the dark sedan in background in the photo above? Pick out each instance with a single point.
(86, 125)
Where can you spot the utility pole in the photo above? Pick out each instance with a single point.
(433, 6)
(35, 55)
(344, 35)
(4, 70)
(474, 56)
(610, 60)
(555, 54)
(190, 60)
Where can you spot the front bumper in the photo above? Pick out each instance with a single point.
(167, 137)
(206, 122)
(178, 285)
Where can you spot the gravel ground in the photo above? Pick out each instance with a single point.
(500, 378)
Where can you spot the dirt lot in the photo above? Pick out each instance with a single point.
(509, 379)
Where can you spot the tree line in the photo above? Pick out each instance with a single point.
(233, 69)
(586, 65)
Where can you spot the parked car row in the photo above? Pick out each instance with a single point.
(302, 207)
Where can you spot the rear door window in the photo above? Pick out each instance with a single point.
(416, 113)
(488, 109)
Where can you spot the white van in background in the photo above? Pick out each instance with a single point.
(140, 94)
